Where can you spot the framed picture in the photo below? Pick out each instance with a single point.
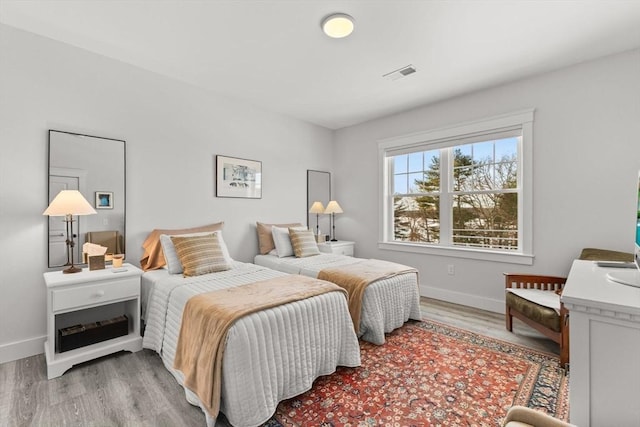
(104, 200)
(238, 178)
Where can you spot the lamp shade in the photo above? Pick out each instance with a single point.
(333, 208)
(69, 202)
(317, 208)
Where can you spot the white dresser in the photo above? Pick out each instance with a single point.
(89, 297)
(604, 318)
(340, 247)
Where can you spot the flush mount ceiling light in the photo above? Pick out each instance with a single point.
(337, 25)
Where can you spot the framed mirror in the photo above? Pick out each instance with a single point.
(95, 166)
(318, 190)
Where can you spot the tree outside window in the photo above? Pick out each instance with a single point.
(477, 194)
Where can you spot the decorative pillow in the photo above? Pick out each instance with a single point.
(171, 256)
(200, 254)
(282, 240)
(303, 242)
(265, 238)
(152, 258)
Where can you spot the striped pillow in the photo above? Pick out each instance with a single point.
(282, 240)
(200, 254)
(171, 256)
(303, 242)
(265, 238)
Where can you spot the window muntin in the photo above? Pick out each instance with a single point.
(475, 197)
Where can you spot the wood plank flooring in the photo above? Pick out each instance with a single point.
(135, 389)
(486, 323)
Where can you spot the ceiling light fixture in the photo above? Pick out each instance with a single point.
(337, 25)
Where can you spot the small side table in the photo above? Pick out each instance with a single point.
(340, 247)
(89, 297)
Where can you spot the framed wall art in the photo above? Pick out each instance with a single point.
(104, 200)
(238, 178)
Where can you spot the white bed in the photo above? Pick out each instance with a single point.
(270, 355)
(386, 305)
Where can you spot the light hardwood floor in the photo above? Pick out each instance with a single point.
(134, 389)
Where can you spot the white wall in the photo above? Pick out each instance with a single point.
(586, 157)
(586, 161)
(173, 132)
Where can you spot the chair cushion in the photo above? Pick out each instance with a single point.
(520, 416)
(517, 424)
(593, 254)
(542, 315)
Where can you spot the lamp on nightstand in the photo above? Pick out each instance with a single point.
(333, 208)
(68, 203)
(317, 208)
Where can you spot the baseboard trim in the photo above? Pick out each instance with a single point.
(21, 349)
(30, 347)
(483, 303)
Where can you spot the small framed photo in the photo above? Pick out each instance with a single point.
(96, 262)
(238, 178)
(104, 200)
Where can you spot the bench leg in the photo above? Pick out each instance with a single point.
(564, 343)
(564, 356)
(509, 319)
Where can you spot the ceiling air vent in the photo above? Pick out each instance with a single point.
(399, 73)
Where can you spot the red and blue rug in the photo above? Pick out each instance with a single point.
(430, 374)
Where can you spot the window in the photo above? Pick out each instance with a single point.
(463, 190)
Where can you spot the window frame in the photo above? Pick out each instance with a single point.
(450, 136)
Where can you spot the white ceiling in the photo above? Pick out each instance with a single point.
(272, 53)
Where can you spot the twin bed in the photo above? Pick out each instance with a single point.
(386, 303)
(270, 355)
(276, 353)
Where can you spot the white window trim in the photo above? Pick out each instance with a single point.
(436, 138)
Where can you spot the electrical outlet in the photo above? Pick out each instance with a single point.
(451, 270)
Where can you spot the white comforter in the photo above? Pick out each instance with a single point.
(386, 303)
(270, 355)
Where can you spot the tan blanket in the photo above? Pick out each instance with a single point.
(356, 277)
(207, 318)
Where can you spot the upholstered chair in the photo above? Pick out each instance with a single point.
(519, 416)
(535, 300)
(112, 240)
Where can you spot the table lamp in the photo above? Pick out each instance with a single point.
(68, 203)
(317, 208)
(333, 208)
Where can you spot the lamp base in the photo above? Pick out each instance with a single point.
(72, 269)
(333, 240)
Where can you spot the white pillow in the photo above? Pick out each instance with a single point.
(282, 240)
(171, 256)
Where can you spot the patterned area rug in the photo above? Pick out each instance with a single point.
(430, 374)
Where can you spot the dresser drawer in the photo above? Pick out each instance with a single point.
(344, 250)
(339, 248)
(101, 293)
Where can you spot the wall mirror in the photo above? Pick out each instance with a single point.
(318, 190)
(96, 167)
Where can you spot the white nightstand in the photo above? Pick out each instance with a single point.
(341, 247)
(86, 297)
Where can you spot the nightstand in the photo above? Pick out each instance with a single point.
(341, 247)
(91, 302)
